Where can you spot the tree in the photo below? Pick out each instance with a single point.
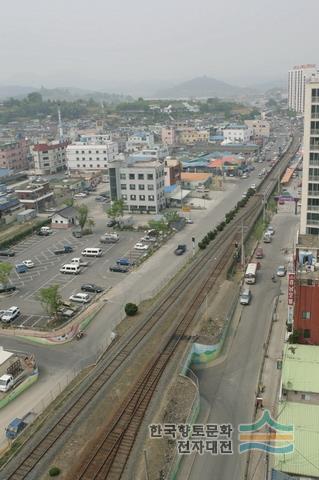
(69, 202)
(158, 225)
(131, 309)
(90, 223)
(5, 270)
(116, 210)
(50, 299)
(83, 215)
(172, 216)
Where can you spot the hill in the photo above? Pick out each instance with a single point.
(201, 87)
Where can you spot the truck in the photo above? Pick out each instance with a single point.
(80, 262)
(65, 249)
(16, 426)
(6, 382)
(180, 250)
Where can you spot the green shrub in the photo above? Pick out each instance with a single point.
(54, 471)
(131, 309)
(202, 245)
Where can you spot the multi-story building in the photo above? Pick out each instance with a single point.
(139, 184)
(297, 78)
(139, 140)
(90, 156)
(259, 128)
(190, 136)
(309, 217)
(236, 134)
(168, 135)
(15, 155)
(156, 153)
(173, 170)
(35, 195)
(49, 158)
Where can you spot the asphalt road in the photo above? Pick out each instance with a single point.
(56, 361)
(228, 389)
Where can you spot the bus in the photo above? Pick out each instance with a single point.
(251, 272)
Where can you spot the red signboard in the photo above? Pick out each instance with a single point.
(291, 289)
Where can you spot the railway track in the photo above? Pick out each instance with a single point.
(119, 437)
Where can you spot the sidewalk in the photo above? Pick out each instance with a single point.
(260, 464)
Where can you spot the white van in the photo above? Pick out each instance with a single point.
(6, 382)
(46, 230)
(92, 252)
(70, 268)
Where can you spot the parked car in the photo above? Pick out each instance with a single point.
(253, 186)
(281, 271)
(10, 314)
(259, 253)
(244, 175)
(148, 238)
(6, 382)
(141, 246)
(77, 234)
(189, 220)
(80, 195)
(28, 263)
(7, 288)
(91, 287)
(111, 223)
(7, 253)
(119, 268)
(270, 230)
(180, 250)
(267, 238)
(125, 261)
(21, 268)
(80, 298)
(46, 230)
(42, 233)
(244, 195)
(100, 199)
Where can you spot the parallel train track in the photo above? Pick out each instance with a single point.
(111, 454)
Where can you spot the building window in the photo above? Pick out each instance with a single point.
(141, 187)
(133, 197)
(83, 165)
(141, 176)
(306, 333)
(150, 187)
(151, 198)
(150, 176)
(305, 315)
(123, 186)
(124, 197)
(78, 166)
(132, 186)
(91, 166)
(122, 176)
(142, 197)
(98, 165)
(131, 176)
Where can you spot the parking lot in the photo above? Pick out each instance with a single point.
(47, 265)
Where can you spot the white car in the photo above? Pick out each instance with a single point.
(80, 298)
(10, 314)
(147, 238)
(28, 263)
(281, 271)
(244, 195)
(253, 186)
(244, 175)
(80, 195)
(189, 220)
(140, 246)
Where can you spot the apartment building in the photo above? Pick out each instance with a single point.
(168, 135)
(309, 217)
(297, 79)
(173, 171)
(139, 184)
(84, 157)
(15, 155)
(35, 196)
(139, 140)
(49, 158)
(236, 134)
(259, 128)
(156, 153)
(190, 136)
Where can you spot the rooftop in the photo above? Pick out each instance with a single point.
(194, 177)
(305, 458)
(300, 370)
(4, 355)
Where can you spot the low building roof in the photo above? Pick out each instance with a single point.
(308, 241)
(304, 460)
(66, 212)
(300, 369)
(194, 177)
(287, 175)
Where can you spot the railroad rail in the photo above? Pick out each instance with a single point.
(120, 434)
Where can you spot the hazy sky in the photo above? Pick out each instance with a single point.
(101, 44)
